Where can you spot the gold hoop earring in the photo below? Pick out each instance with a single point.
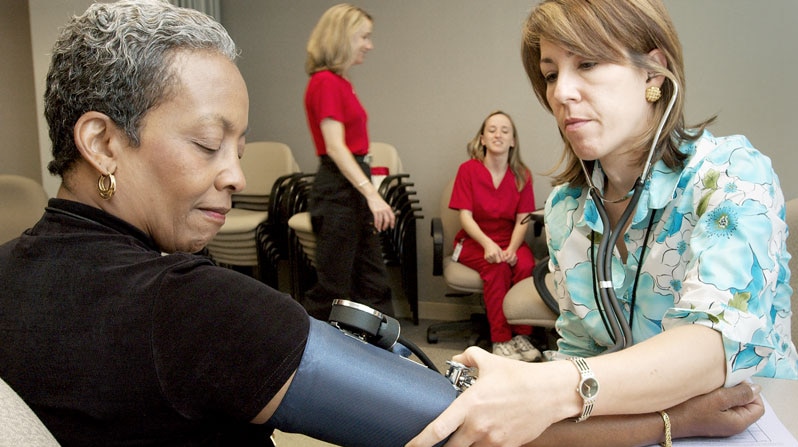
(653, 94)
(106, 185)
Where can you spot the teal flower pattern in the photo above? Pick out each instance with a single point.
(716, 256)
(727, 239)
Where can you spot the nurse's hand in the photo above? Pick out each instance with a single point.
(510, 257)
(493, 253)
(506, 406)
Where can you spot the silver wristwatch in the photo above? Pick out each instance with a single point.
(588, 387)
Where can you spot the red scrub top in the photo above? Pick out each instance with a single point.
(329, 95)
(494, 209)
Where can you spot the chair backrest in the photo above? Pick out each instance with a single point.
(263, 163)
(450, 219)
(385, 154)
(19, 425)
(22, 202)
(792, 248)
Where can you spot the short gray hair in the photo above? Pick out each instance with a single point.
(116, 59)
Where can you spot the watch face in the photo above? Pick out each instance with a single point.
(589, 388)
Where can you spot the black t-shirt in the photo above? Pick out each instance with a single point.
(112, 342)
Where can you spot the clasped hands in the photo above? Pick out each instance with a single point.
(494, 255)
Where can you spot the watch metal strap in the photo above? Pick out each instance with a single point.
(584, 373)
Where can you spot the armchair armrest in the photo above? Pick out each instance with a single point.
(436, 231)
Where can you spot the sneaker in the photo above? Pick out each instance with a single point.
(507, 350)
(525, 348)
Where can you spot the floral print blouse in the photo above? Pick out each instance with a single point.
(716, 255)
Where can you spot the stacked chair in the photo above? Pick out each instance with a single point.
(242, 241)
(398, 244)
(300, 236)
(272, 234)
(527, 305)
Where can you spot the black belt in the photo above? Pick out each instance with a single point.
(360, 158)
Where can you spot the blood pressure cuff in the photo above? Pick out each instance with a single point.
(350, 393)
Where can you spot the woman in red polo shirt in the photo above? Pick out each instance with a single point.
(493, 192)
(346, 209)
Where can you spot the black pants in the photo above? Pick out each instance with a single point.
(349, 262)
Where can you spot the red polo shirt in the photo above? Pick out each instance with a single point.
(329, 95)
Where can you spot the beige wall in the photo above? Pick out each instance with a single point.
(440, 66)
(46, 19)
(18, 133)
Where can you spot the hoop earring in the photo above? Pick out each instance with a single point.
(106, 185)
(653, 94)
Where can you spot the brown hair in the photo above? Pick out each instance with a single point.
(619, 32)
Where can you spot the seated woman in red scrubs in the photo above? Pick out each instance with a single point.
(493, 192)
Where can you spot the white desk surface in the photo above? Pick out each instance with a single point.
(783, 397)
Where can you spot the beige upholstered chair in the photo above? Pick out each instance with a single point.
(386, 155)
(22, 201)
(457, 276)
(300, 224)
(19, 425)
(463, 280)
(522, 304)
(236, 243)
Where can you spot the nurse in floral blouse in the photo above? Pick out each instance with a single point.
(705, 246)
(699, 270)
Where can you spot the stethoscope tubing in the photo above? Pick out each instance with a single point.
(621, 331)
(620, 327)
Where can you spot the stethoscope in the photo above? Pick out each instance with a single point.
(619, 327)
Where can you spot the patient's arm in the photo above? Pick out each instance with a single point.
(347, 392)
(721, 413)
